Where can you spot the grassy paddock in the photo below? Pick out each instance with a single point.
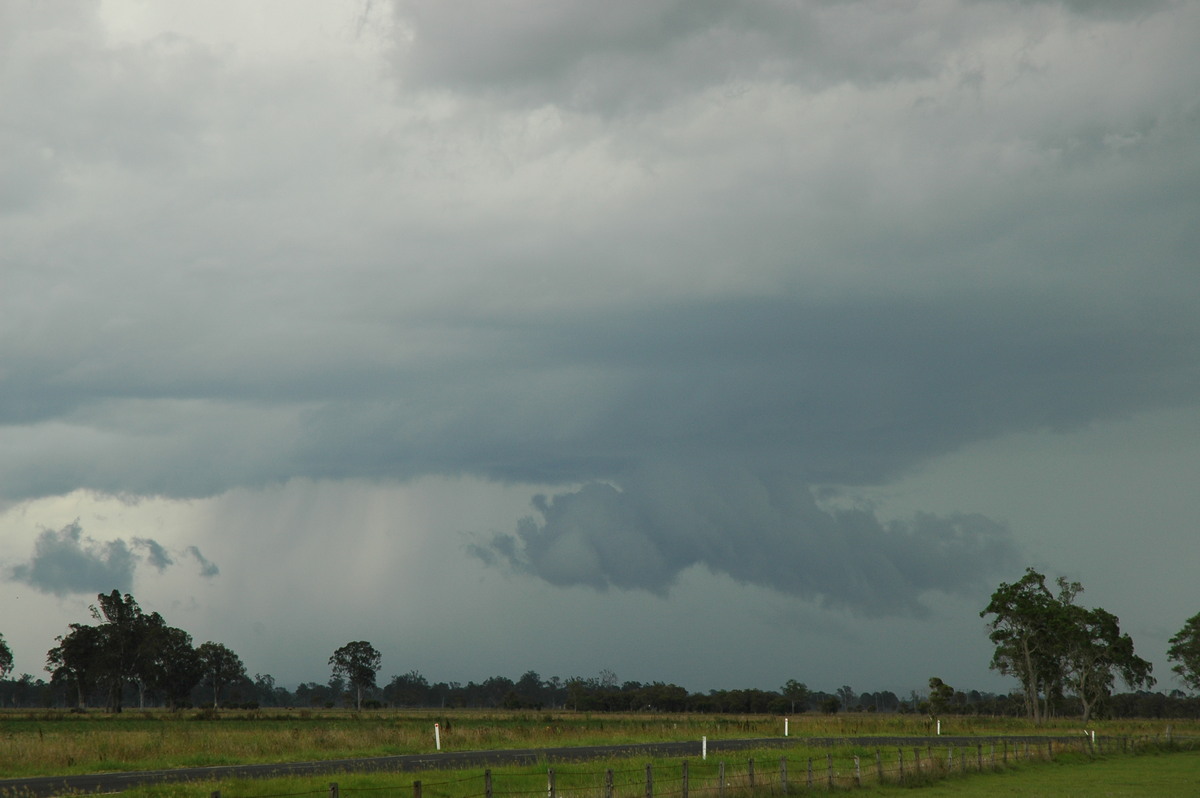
(64, 743)
(1067, 775)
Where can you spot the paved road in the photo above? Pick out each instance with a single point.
(455, 760)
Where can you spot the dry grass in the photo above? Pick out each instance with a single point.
(63, 743)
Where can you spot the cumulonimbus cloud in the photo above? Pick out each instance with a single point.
(767, 530)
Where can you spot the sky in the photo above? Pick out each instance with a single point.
(715, 343)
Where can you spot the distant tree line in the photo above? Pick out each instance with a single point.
(1065, 657)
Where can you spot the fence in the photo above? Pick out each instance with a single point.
(786, 775)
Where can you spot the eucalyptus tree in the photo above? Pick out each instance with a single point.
(124, 629)
(940, 696)
(796, 693)
(78, 661)
(1050, 644)
(1028, 630)
(357, 662)
(6, 658)
(1097, 653)
(174, 667)
(219, 668)
(1185, 652)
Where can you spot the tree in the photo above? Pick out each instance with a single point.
(940, 696)
(1051, 644)
(797, 693)
(410, 690)
(1185, 652)
(6, 658)
(1028, 629)
(220, 667)
(358, 662)
(174, 667)
(122, 631)
(77, 660)
(1096, 654)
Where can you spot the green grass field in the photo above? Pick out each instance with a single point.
(63, 743)
(1151, 776)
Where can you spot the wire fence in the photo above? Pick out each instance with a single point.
(785, 775)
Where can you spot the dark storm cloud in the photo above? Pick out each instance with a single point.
(641, 56)
(762, 247)
(848, 393)
(759, 530)
(793, 396)
(637, 57)
(68, 561)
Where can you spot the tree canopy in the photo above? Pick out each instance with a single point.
(357, 663)
(219, 667)
(1050, 645)
(1185, 652)
(6, 658)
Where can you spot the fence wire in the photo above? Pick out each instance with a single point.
(774, 776)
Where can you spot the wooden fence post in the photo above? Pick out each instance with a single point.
(649, 780)
(608, 783)
(487, 783)
(333, 790)
(215, 794)
(917, 761)
(857, 772)
(829, 769)
(721, 779)
(810, 780)
(878, 766)
(551, 792)
(417, 789)
(901, 751)
(749, 771)
(782, 774)
(684, 779)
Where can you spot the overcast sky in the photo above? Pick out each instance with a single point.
(719, 343)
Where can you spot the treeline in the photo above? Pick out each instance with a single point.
(127, 657)
(1065, 657)
(595, 694)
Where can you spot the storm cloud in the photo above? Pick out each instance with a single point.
(765, 531)
(709, 279)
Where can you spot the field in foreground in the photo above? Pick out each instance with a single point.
(63, 743)
(1069, 774)
(1154, 776)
